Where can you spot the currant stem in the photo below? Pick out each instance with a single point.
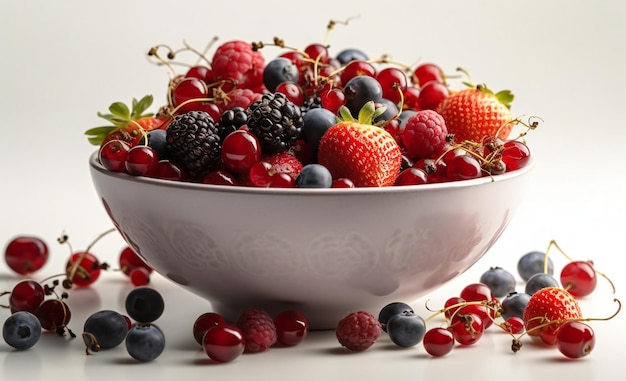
(75, 266)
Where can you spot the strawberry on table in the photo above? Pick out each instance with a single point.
(477, 112)
(549, 304)
(364, 153)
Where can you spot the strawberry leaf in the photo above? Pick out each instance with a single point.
(120, 110)
(139, 107)
(345, 114)
(505, 97)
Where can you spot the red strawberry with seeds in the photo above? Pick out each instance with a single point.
(364, 153)
(549, 304)
(474, 113)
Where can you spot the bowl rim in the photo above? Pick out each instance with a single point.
(97, 166)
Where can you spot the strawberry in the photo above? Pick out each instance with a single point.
(364, 153)
(127, 124)
(476, 112)
(549, 304)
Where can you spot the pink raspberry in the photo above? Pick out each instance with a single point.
(358, 331)
(258, 329)
(240, 98)
(235, 60)
(424, 134)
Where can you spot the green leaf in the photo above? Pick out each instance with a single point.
(505, 97)
(139, 107)
(366, 113)
(345, 114)
(120, 110)
(103, 130)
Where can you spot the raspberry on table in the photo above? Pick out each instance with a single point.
(358, 331)
(258, 330)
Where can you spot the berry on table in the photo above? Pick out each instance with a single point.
(223, 343)
(259, 331)
(145, 342)
(104, 329)
(205, 322)
(539, 281)
(546, 305)
(358, 331)
(514, 304)
(26, 254)
(27, 295)
(21, 330)
(438, 341)
(534, 262)
(392, 309)
(144, 304)
(406, 329)
(575, 339)
(500, 281)
(579, 278)
(292, 327)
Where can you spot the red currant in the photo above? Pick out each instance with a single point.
(129, 260)
(515, 325)
(579, 278)
(168, 170)
(26, 254)
(333, 99)
(85, 272)
(427, 72)
(240, 150)
(112, 155)
(463, 167)
(432, 94)
(141, 161)
(186, 91)
(515, 155)
(26, 295)
(411, 98)
(356, 68)
(438, 341)
(411, 176)
(467, 329)
(393, 82)
(342, 183)
(317, 52)
(219, 178)
(292, 91)
(223, 343)
(139, 276)
(53, 314)
(205, 322)
(575, 339)
(291, 327)
(201, 72)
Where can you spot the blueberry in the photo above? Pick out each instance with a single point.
(107, 328)
(145, 342)
(156, 140)
(279, 70)
(539, 281)
(316, 122)
(144, 304)
(314, 176)
(406, 329)
(390, 111)
(404, 116)
(532, 263)
(21, 330)
(351, 54)
(500, 281)
(514, 304)
(392, 309)
(360, 90)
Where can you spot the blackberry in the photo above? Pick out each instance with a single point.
(311, 103)
(231, 120)
(275, 121)
(193, 141)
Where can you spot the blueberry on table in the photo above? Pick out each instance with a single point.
(144, 304)
(145, 342)
(21, 330)
(104, 330)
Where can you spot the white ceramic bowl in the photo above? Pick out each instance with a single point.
(324, 252)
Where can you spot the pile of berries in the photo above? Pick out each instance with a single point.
(310, 118)
(548, 311)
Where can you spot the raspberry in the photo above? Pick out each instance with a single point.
(242, 98)
(235, 60)
(424, 134)
(358, 331)
(258, 329)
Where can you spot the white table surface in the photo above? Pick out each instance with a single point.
(63, 61)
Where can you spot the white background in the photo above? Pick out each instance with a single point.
(565, 61)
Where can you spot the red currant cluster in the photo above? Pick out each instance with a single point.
(254, 331)
(550, 313)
